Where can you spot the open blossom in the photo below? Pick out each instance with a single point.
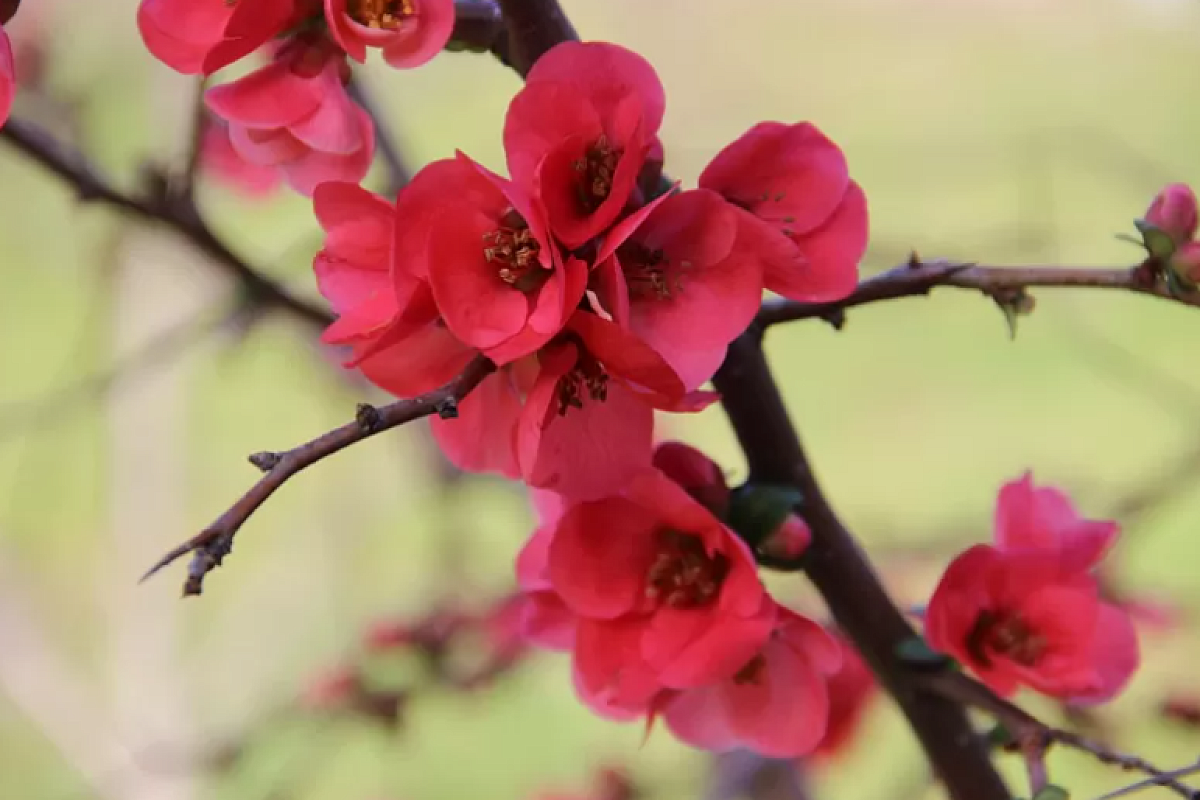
(202, 36)
(295, 114)
(579, 131)
(8, 76)
(799, 208)
(672, 274)
(850, 690)
(665, 594)
(1021, 617)
(409, 32)
(1043, 518)
(1173, 211)
(219, 159)
(777, 704)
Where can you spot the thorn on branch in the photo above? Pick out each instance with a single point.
(266, 460)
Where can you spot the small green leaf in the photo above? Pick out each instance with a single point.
(1052, 792)
(1158, 243)
(756, 510)
(1001, 737)
(916, 652)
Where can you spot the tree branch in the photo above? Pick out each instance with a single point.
(479, 28)
(1034, 738)
(843, 576)
(918, 278)
(398, 174)
(174, 210)
(534, 26)
(210, 546)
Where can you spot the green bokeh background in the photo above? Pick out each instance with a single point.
(1017, 132)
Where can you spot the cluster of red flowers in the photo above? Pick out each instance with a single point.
(294, 114)
(603, 295)
(1027, 610)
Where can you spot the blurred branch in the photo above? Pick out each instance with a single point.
(534, 26)
(1034, 738)
(211, 545)
(175, 210)
(1003, 284)
(398, 174)
(743, 774)
(479, 28)
(1150, 783)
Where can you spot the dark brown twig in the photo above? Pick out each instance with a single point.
(171, 209)
(534, 26)
(1034, 738)
(844, 577)
(210, 546)
(479, 28)
(909, 281)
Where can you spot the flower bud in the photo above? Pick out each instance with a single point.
(1174, 212)
(698, 474)
(788, 541)
(1184, 263)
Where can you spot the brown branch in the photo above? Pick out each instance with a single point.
(210, 546)
(479, 28)
(844, 577)
(919, 278)
(1034, 738)
(534, 26)
(174, 210)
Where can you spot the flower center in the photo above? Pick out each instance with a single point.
(514, 250)
(683, 574)
(386, 14)
(646, 271)
(752, 673)
(1007, 634)
(587, 376)
(595, 169)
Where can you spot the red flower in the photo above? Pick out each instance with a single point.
(1173, 211)
(225, 164)
(294, 114)
(666, 595)
(850, 689)
(498, 279)
(801, 212)
(776, 704)
(1018, 617)
(202, 36)
(1029, 517)
(8, 76)
(410, 32)
(672, 274)
(588, 420)
(579, 131)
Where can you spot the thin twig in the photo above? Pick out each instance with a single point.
(211, 545)
(920, 277)
(1149, 783)
(534, 26)
(175, 211)
(1034, 737)
(398, 174)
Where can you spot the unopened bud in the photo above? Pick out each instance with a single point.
(698, 474)
(1184, 264)
(1173, 212)
(788, 541)
(332, 690)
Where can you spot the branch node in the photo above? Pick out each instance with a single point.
(367, 417)
(205, 559)
(266, 460)
(447, 408)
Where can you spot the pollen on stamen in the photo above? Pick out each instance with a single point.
(596, 170)
(381, 14)
(515, 251)
(588, 377)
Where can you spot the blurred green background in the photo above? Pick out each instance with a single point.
(1017, 132)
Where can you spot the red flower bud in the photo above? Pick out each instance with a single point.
(1174, 212)
(788, 541)
(1185, 263)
